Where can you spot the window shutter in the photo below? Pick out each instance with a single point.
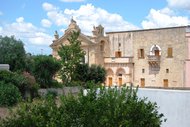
(170, 52)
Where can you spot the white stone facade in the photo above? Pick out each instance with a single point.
(148, 58)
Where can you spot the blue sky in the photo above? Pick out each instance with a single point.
(34, 21)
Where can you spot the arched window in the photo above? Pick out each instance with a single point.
(155, 50)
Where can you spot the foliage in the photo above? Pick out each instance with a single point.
(32, 85)
(85, 73)
(97, 108)
(70, 56)
(110, 108)
(12, 52)
(22, 82)
(29, 63)
(45, 67)
(82, 72)
(9, 94)
(39, 113)
(97, 73)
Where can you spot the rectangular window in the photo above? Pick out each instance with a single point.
(170, 52)
(118, 54)
(143, 70)
(141, 53)
(167, 70)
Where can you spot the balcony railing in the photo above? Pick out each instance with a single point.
(152, 59)
(118, 60)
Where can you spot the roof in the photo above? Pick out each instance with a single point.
(146, 29)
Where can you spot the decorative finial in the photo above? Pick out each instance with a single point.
(56, 35)
(72, 20)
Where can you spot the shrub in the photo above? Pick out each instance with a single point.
(14, 78)
(110, 108)
(22, 82)
(39, 113)
(9, 94)
(85, 73)
(32, 86)
(45, 67)
(98, 108)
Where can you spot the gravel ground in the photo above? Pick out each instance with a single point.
(3, 112)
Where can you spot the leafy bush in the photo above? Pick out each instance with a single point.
(110, 108)
(32, 86)
(9, 94)
(22, 82)
(98, 108)
(85, 73)
(45, 67)
(39, 113)
(14, 78)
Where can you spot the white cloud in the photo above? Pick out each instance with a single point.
(48, 7)
(183, 4)
(27, 32)
(20, 19)
(46, 23)
(72, 0)
(41, 38)
(164, 18)
(87, 16)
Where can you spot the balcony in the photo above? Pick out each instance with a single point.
(118, 60)
(153, 60)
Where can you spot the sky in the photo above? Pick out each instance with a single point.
(35, 21)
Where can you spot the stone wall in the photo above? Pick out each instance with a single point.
(164, 38)
(174, 104)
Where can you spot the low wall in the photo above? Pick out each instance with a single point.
(174, 104)
(4, 67)
(61, 91)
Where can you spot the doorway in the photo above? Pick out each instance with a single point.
(120, 81)
(142, 82)
(110, 81)
(165, 83)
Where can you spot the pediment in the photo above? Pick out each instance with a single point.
(85, 40)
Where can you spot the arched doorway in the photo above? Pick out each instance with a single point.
(120, 76)
(109, 78)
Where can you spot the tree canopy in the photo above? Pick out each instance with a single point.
(45, 67)
(95, 73)
(71, 55)
(12, 52)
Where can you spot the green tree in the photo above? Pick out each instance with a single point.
(12, 52)
(85, 73)
(45, 67)
(97, 73)
(71, 56)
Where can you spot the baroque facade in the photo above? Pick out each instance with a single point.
(148, 58)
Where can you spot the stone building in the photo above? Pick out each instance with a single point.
(148, 58)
